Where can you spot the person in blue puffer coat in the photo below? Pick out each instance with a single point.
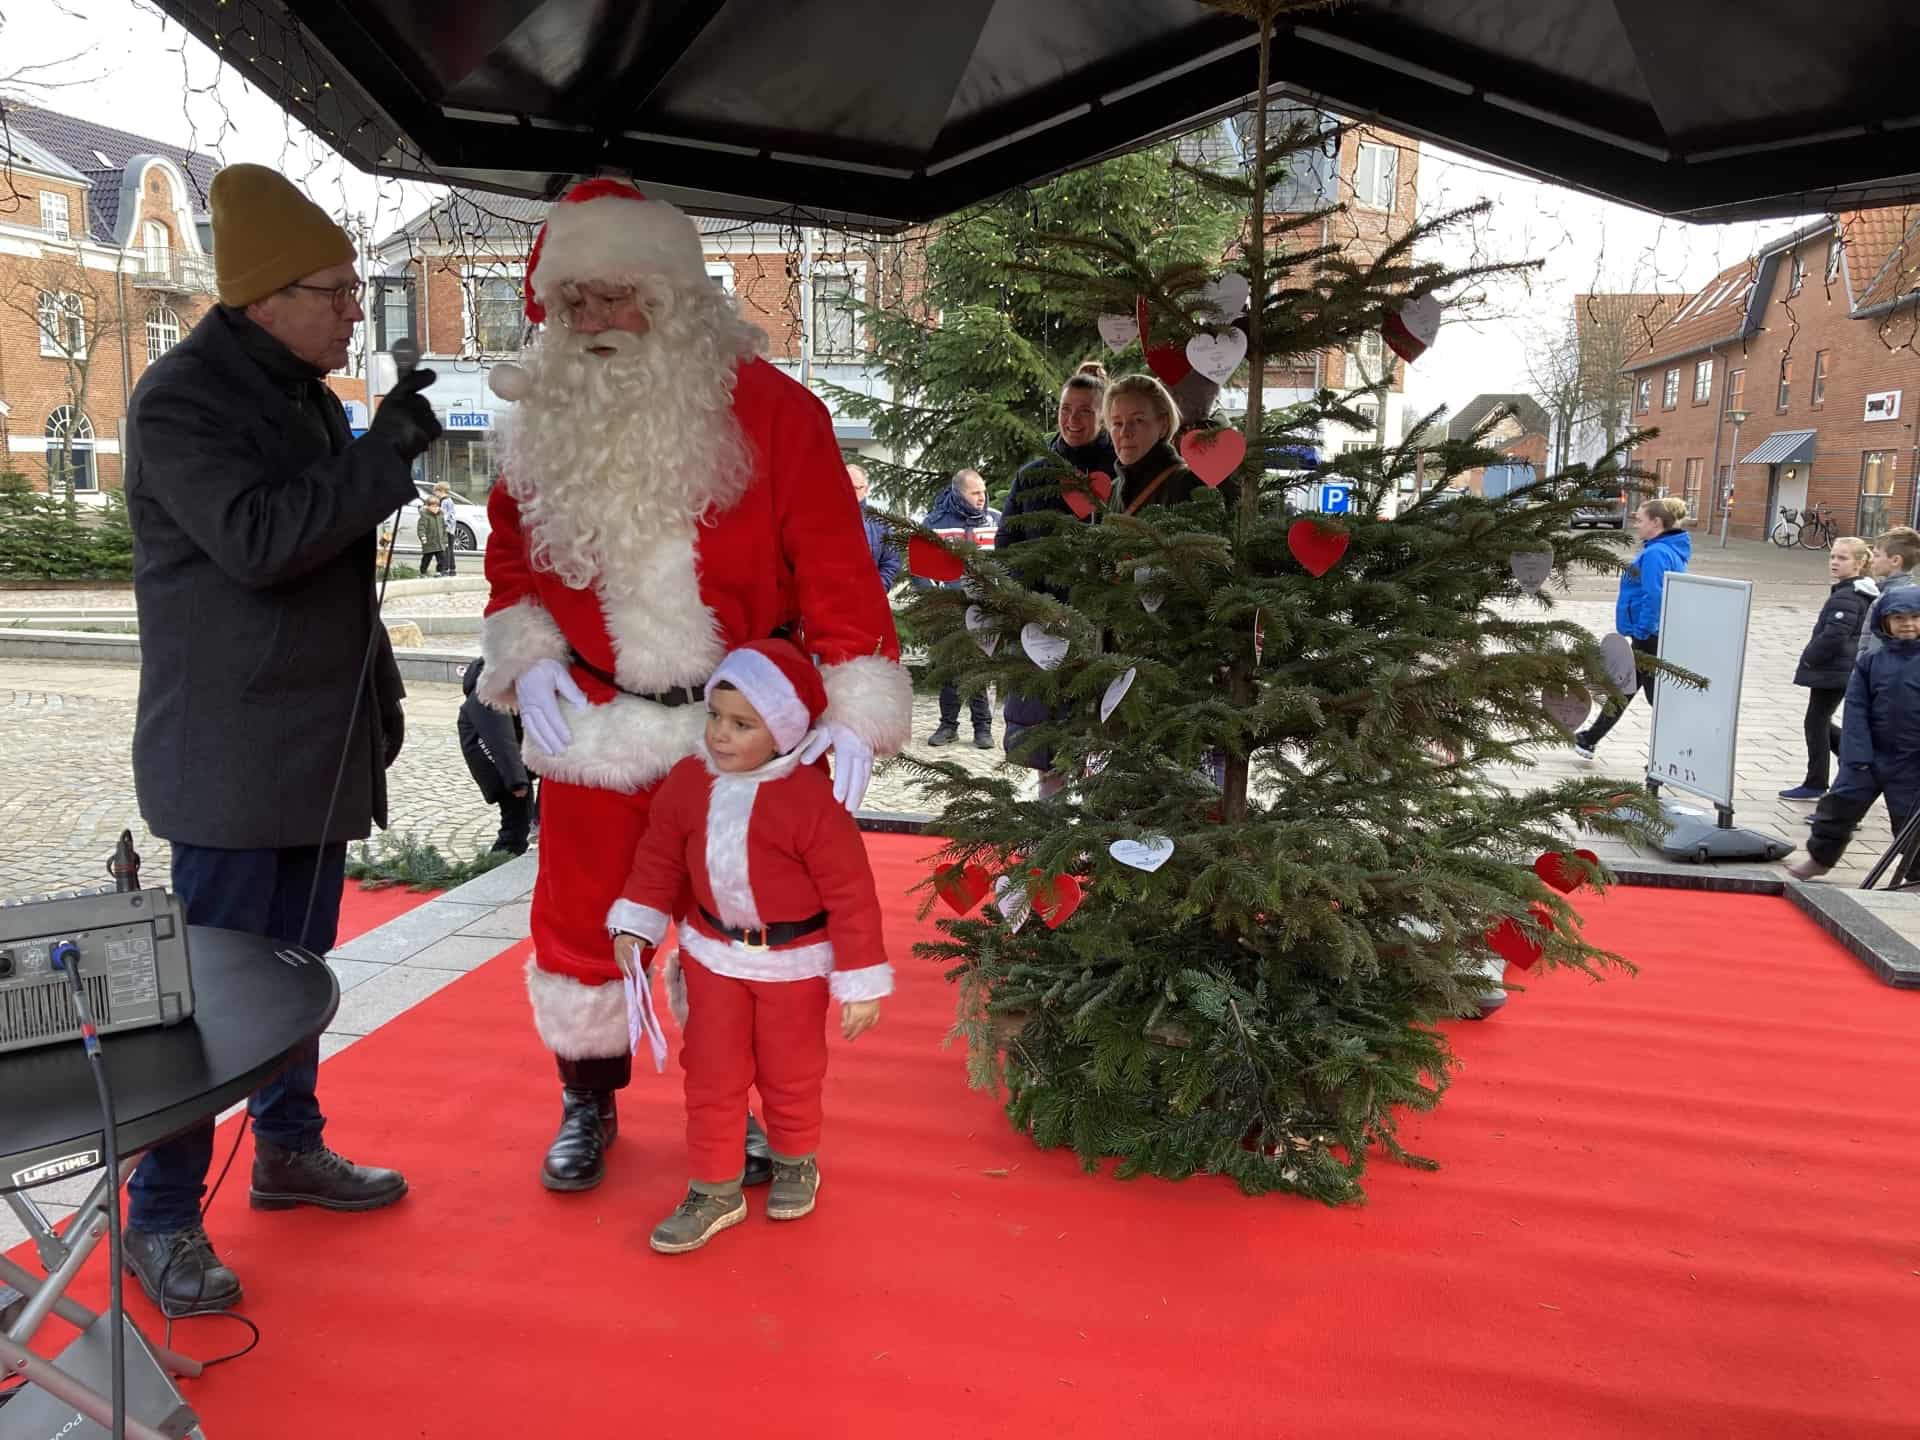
(1879, 740)
(1636, 614)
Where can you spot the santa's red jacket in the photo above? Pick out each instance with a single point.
(758, 848)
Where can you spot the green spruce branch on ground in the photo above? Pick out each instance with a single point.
(417, 864)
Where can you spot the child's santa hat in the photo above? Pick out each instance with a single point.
(607, 230)
(780, 683)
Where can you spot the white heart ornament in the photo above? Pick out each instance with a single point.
(1147, 855)
(1532, 568)
(1616, 653)
(1116, 692)
(1566, 708)
(1227, 296)
(1043, 647)
(1119, 331)
(980, 626)
(1013, 911)
(1144, 576)
(1217, 356)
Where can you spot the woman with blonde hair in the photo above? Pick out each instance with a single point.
(1664, 547)
(1143, 419)
(1826, 665)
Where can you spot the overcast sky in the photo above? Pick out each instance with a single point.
(125, 65)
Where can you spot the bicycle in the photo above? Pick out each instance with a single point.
(1788, 530)
(1817, 530)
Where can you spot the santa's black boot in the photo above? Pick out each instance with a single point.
(577, 1159)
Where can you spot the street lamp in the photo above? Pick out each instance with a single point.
(1739, 418)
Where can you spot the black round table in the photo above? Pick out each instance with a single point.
(254, 1000)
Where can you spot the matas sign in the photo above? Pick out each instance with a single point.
(1883, 405)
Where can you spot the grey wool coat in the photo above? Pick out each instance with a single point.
(253, 513)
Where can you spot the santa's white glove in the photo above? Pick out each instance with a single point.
(537, 693)
(852, 761)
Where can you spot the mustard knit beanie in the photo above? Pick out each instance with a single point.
(266, 234)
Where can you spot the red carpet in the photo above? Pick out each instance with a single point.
(364, 910)
(1678, 1205)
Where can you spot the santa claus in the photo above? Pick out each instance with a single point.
(667, 495)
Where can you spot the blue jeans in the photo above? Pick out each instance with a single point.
(263, 892)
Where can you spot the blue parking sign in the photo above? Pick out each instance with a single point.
(1336, 499)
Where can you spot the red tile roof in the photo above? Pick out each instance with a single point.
(1883, 254)
(1712, 315)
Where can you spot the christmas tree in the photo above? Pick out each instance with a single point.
(1279, 859)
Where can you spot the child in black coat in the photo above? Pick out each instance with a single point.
(1827, 663)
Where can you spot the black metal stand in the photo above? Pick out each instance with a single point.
(1905, 849)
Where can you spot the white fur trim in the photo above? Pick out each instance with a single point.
(767, 688)
(510, 641)
(615, 238)
(662, 633)
(869, 982)
(578, 1021)
(625, 745)
(625, 917)
(740, 962)
(873, 697)
(729, 818)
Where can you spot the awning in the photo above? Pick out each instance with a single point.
(1783, 447)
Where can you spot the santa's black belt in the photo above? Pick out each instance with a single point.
(780, 932)
(679, 695)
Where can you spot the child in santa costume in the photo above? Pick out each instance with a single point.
(666, 496)
(783, 916)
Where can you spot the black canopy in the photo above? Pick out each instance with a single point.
(886, 112)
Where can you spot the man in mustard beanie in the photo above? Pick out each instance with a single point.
(269, 700)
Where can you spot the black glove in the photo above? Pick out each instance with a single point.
(405, 420)
(393, 728)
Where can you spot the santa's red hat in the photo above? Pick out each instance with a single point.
(780, 683)
(607, 230)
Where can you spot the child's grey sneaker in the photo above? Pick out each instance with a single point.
(698, 1219)
(795, 1183)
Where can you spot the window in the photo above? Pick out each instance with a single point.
(1876, 491)
(1736, 390)
(1670, 390)
(1797, 276)
(158, 243)
(497, 315)
(1702, 382)
(163, 332)
(1662, 477)
(393, 317)
(1308, 176)
(69, 452)
(1786, 383)
(1643, 395)
(837, 331)
(1695, 472)
(1376, 175)
(63, 326)
(721, 274)
(1820, 377)
(55, 219)
(1367, 361)
(1833, 258)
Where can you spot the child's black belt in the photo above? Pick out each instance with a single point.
(678, 695)
(780, 932)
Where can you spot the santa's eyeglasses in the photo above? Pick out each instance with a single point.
(577, 302)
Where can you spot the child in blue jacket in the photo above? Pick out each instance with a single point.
(1879, 741)
(1636, 614)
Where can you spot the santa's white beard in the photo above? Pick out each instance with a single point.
(608, 454)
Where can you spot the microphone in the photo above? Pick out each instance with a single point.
(406, 356)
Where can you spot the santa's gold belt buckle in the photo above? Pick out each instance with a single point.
(747, 939)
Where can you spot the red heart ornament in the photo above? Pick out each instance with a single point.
(1056, 899)
(1102, 485)
(1513, 944)
(963, 887)
(1078, 502)
(930, 562)
(1317, 548)
(1559, 868)
(1098, 482)
(1213, 455)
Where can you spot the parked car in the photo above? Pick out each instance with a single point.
(1597, 510)
(470, 528)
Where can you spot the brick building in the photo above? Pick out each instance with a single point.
(104, 265)
(1520, 435)
(1813, 341)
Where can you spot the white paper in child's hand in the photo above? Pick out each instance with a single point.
(641, 1019)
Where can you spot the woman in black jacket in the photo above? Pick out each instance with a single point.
(1827, 662)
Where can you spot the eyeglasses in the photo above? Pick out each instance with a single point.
(353, 293)
(577, 302)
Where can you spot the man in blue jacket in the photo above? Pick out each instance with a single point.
(1879, 741)
(962, 512)
(1636, 613)
(886, 559)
